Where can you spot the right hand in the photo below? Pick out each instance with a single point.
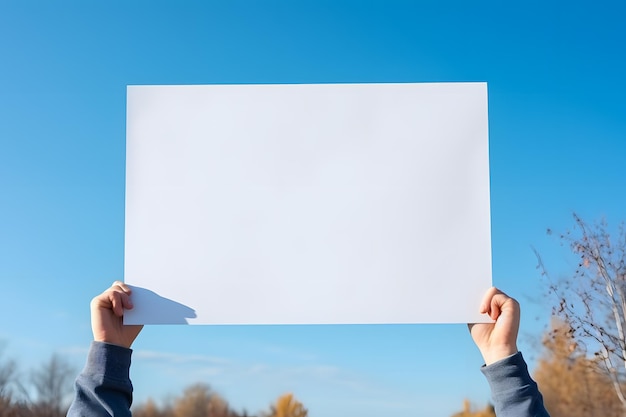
(497, 340)
(107, 313)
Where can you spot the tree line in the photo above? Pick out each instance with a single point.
(42, 393)
(199, 400)
(46, 392)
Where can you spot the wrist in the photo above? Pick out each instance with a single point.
(498, 353)
(110, 339)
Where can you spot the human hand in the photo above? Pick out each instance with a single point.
(107, 313)
(497, 340)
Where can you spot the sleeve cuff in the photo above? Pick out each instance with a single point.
(110, 360)
(509, 375)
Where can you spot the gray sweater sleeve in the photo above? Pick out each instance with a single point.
(514, 392)
(103, 388)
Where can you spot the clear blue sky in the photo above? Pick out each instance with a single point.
(557, 145)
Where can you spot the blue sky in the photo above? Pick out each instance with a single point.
(557, 145)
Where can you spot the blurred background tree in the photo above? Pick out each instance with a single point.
(151, 409)
(52, 384)
(573, 384)
(8, 373)
(589, 340)
(287, 406)
(488, 411)
(200, 401)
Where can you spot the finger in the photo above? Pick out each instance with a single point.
(121, 286)
(496, 303)
(501, 302)
(486, 301)
(123, 302)
(115, 298)
(127, 303)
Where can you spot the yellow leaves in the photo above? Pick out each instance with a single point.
(488, 411)
(199, 400)
(288, 406)
(572, 383)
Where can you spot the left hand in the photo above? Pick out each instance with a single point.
(107, 314)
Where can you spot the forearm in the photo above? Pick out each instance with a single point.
(514, 392)
(103, 388)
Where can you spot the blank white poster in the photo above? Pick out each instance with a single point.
(307, 204)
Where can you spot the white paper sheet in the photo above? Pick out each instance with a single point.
(306, 204)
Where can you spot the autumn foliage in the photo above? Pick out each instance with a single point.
(200, 401)
(573, 384)
(288, 406)
(488, 411)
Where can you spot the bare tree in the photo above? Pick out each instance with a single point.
(8, 372)
(12, 393)
(592, 300)
(52, 383)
